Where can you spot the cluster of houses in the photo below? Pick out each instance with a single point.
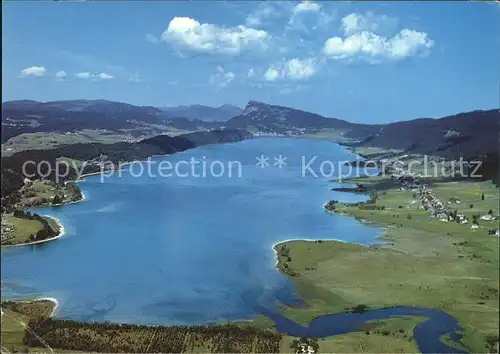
(305, 345)
(7, 232)
(433, 205)
(437, 209)
(494, 232)
(429, 202)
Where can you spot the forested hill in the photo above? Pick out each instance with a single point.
(468, 135)
(13, 177)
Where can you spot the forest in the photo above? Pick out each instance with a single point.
(130, 338)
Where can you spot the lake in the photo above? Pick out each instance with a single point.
(184, 249)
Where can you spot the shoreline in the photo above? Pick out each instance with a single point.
(84, 198)
(276, 256)
(28, 301)
(328, 211)
(61, 233)
(62, 230)
(51, 299)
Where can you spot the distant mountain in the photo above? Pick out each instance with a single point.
(70, 116)
(109, 108)
(204, 113)
(262, 117)
(469, 134)
(182, 123)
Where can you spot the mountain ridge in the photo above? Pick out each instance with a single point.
(466, 134)
(205, 113)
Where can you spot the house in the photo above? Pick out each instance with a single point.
(474, 226)
(488, 217)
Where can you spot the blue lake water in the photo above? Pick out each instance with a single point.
(184, 250)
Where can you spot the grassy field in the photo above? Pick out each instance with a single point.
(15, 315)
(44, 140)
(368, 152)
(330, 134)
(23, 228)
(470, 196)
(423, 262)
(49, 140)
(43, 189)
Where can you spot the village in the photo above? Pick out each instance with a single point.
(439, 209)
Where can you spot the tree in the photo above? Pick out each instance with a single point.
(490, 212)
(57, 199)
(315, 346)
(482, 196)
(294, 344)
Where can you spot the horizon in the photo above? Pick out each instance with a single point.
(251, 100)
(367, 63)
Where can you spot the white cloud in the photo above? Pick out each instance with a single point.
(61, 74)
(407, 43)
(251, 72)
(222, 78)
(83, 75)
(104, 76)
(306, 6)
(309, 15)
(370, 46)
(300, 69)
(34, 71)
(351, 23)
(272, 74)
(152, 38)
(209, 38)
(356, 22)
(294, 69)
(87, 75)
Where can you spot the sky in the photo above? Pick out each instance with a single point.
(368, 62)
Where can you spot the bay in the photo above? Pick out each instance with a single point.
(184, 249)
